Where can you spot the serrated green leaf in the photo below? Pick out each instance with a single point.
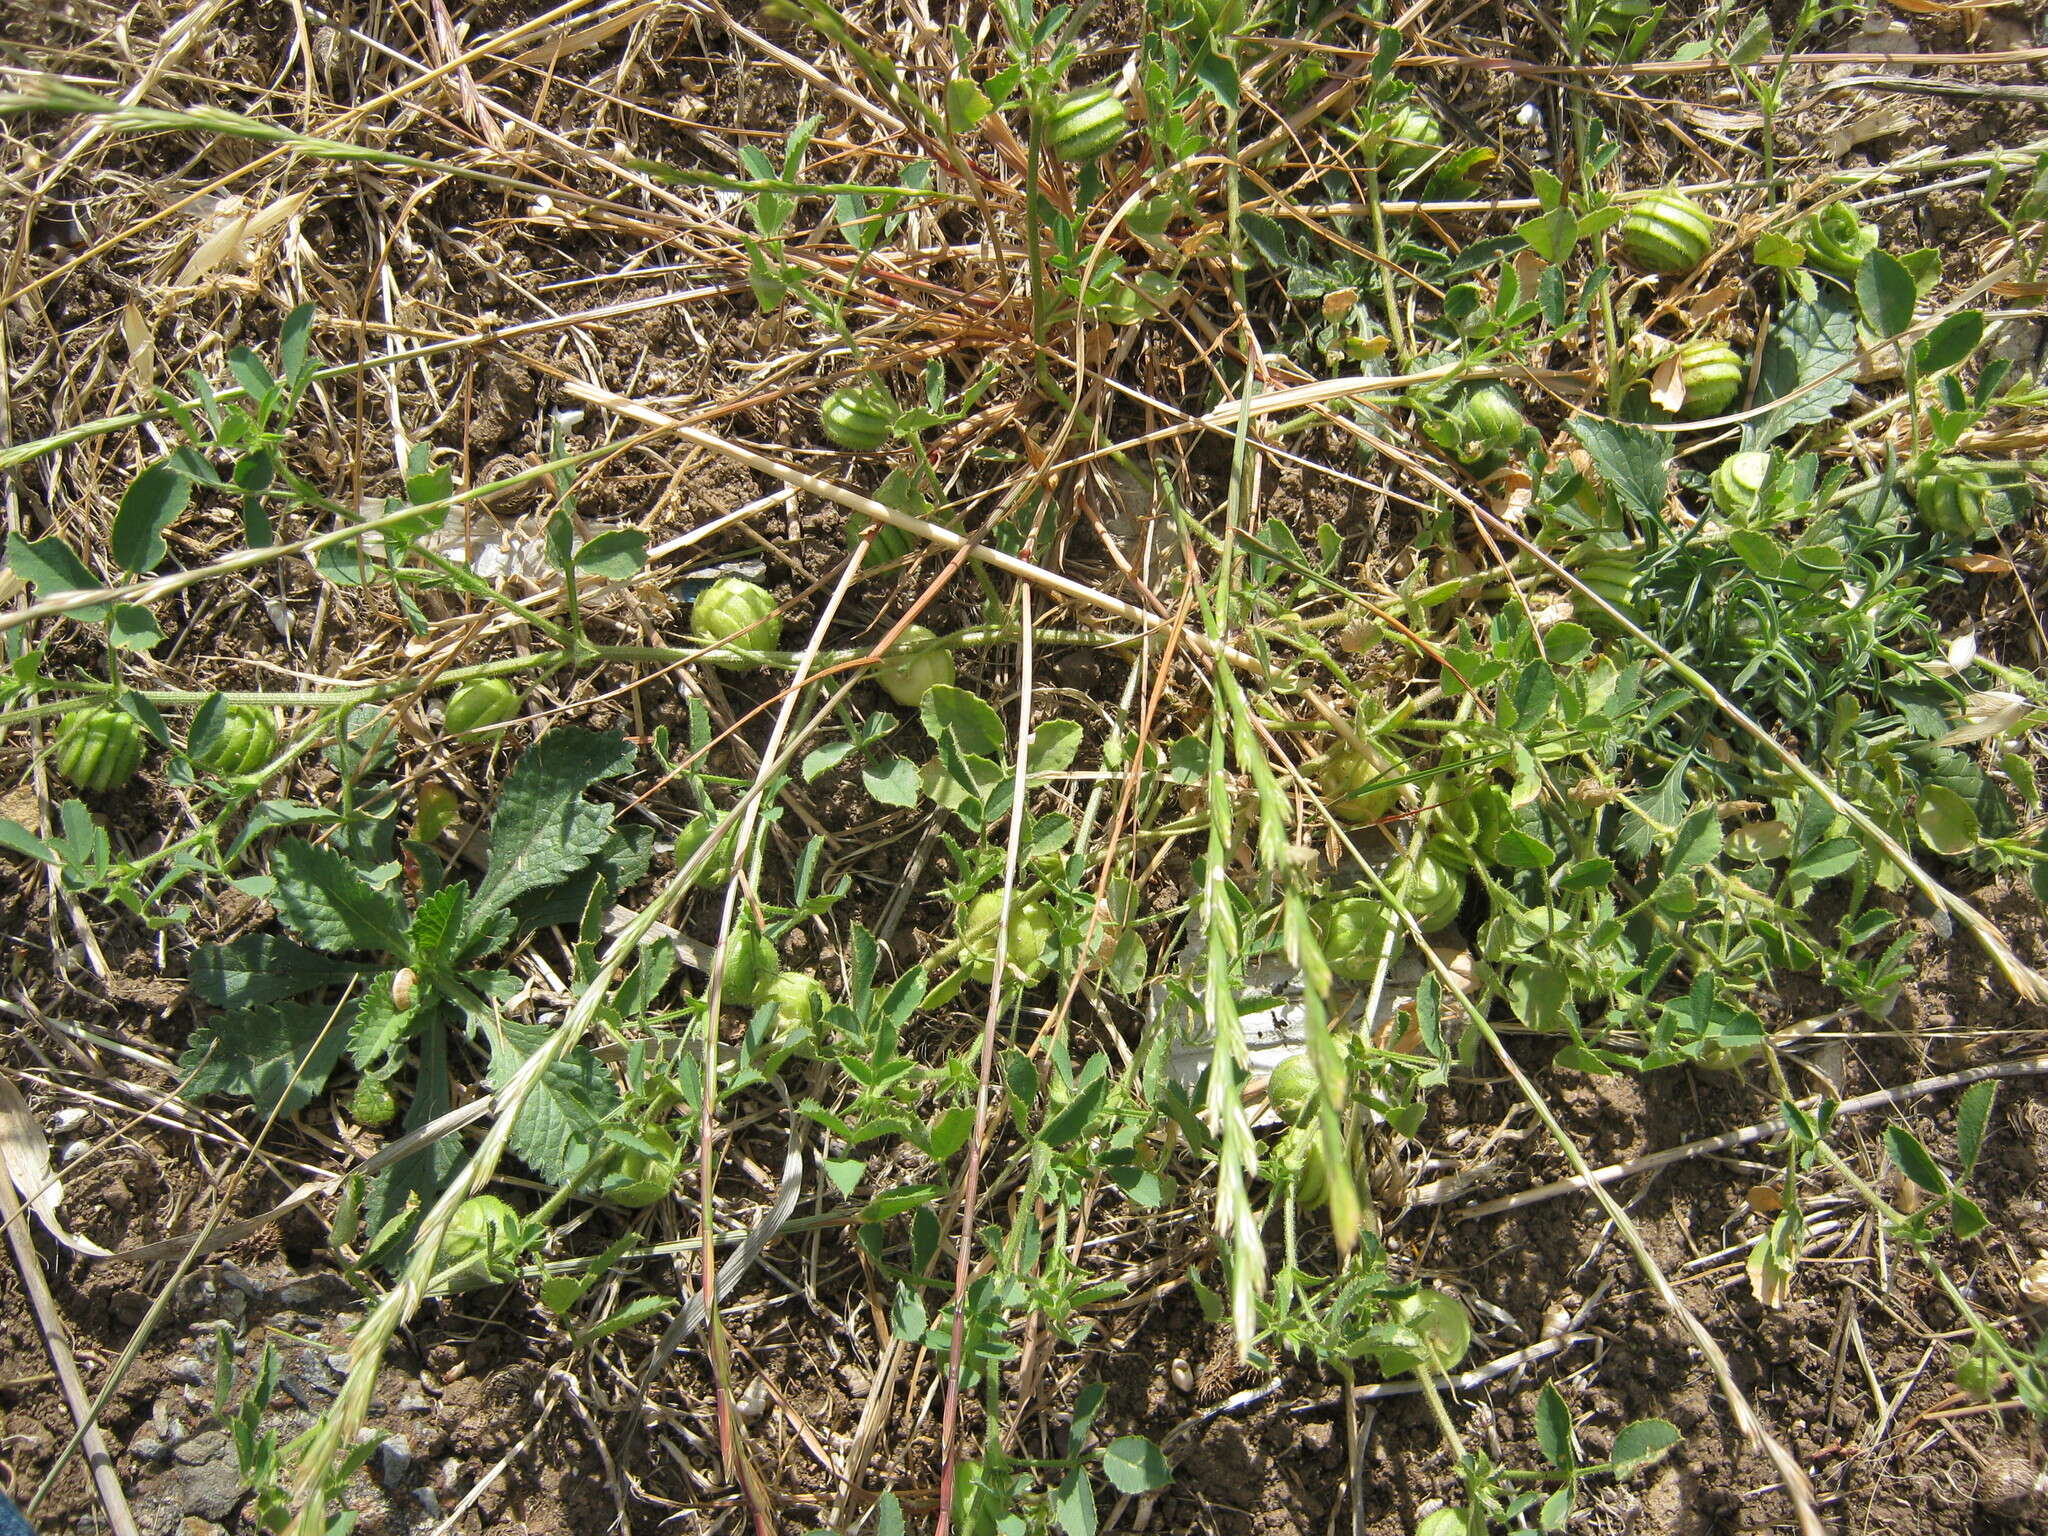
(435, 924)
(965, 722)
(1554, 1428)
(277, 1055)
(381, 1026)
(1073, 1503)
(640, 1309)
(616, 555)
(1950, 342)
(131, 627)
(568, 1105)
(325, 900)
(261, 968)
(16, 838)
(1634, 464)
(892, 780)
(544, 831)
(1966, 1217)
(395, 1197)
(1808, 367)
(1134, 1465)
(1697, 844)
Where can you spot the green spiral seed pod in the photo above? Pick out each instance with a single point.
(1667, 233)
(1085, 123)
(1714, 374)
(859, 417)
(372, 1104)
(99, 747)
(1949, 500)
(480, 704)
(1407, 140)
(1836, 240)
(1737, 482)
(734, 610)
(247, 737)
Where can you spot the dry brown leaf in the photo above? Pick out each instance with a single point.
(1981, 565)
(26, 1152)
(1667, 383)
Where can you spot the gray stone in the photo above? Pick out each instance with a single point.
(207, 1445)
(149, 1447)
(312, 1292)
(415, 1401)
(429, 1502)
(190, 1373)
(394, 1460)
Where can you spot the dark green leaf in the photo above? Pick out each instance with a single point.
(416, 1181)
(294, 353)
(1808, 368)
(150, 506)
(131, 627)
(49, 566)
(543, 831)
(1885, 293)
(1516, 849)
(1973, 1117)
(1912, 1159)
(572, 1099)
(327, 902)
(381, 1026)
(1966, 1216)
(1075, 1119)
(262, 968)
(1949, 342)
(889, 1516)
(1554, 1428)
(1642, 1444)
(1586, 875)
(1697, 844)
(16, 838)
(1632, 463)
(1134, 1465)
(277, 1055)
(617, 555)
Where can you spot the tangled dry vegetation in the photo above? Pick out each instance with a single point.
(1171, 765)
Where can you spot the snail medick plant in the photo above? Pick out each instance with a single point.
(915, 665)
(859, 418)
(1836, 241)
(482, 1246)
(1030, 932)
(1348, 779)
(1713, 373)
(1667, 233)
(245, 738)
(1486, 427)
(1085, 123)
(480, 704)
(736, 612)
(99, 747)
(1737, 482)
(751, 966)
(1405, 139)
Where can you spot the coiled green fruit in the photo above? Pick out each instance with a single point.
(1611, 574)
(1031, 930)
(99, 747)
(1348, 780)
(915, 665)
(1435, 889)
(1667, 233)
(1291, 1088)
(736, 611)
(1354, 930)
(1489, 426)
(372, 1104)
(751, 966)
(481, 704)
(1949, 500)
(1714, 375)
(1085, 123)
(482, 1245)
(1836, 240)
(1737, 482)
(859, 417)
(639, 1177)
(1406, 140)
(244, 742)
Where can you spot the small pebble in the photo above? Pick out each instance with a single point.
(394, 1460)
(190, 1372)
